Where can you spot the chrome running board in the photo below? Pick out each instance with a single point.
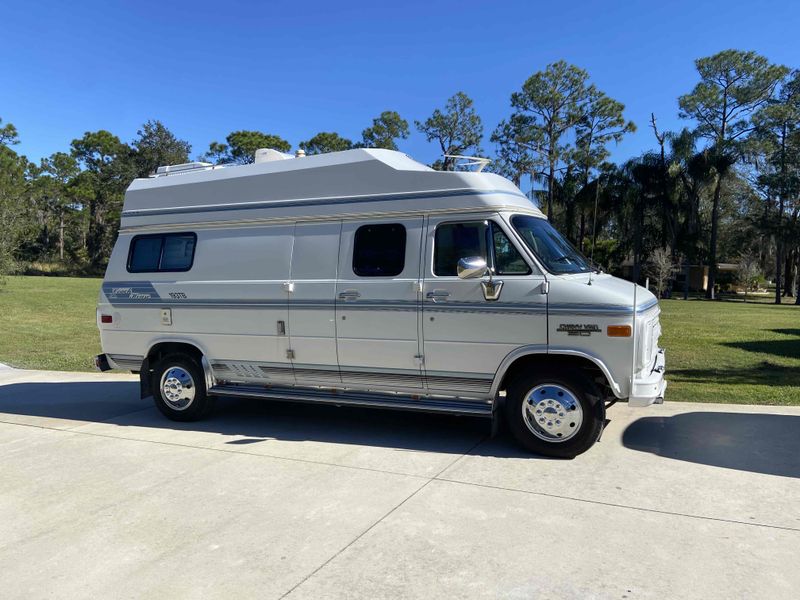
(347, 398)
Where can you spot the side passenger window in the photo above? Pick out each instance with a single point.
(145, 254)
(379, 250)
(165, 252)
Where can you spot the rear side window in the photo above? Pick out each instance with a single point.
(162, 252)
(145, 254)
(379, 250)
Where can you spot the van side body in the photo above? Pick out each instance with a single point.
(339, 278)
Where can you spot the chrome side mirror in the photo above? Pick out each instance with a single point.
(471, 268)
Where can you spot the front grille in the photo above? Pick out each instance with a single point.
(649, 332)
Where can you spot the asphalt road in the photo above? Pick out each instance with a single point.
(100, 496)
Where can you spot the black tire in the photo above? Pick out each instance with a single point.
(571, 381)
(200, 404)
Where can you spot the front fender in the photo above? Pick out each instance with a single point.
(542, 349)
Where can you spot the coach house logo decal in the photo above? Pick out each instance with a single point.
(127, 292)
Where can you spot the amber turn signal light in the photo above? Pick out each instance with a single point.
(619, 331)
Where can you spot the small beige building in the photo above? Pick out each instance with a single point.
(698, 275)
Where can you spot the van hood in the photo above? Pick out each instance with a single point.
(605, 292)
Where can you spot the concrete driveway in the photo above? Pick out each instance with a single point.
(102, 497)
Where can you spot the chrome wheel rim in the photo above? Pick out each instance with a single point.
(177, 388)
(552, 413)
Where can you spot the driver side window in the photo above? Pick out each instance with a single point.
(455, 241)
(484, 239)
(507, 261)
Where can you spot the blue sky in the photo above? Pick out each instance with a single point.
(294, 69)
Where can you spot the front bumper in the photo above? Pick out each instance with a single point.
(650, 389)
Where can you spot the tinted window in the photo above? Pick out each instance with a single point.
(145, 254)
(455, 241)
(507, 261)
(379, 250)
(168, 252)
(557, 254)
(178, 253)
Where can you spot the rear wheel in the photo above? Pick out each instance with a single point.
(559, 414)
(179, 388)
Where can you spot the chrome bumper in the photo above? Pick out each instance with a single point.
(650, 389)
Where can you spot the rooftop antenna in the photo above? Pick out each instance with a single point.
(594, 229)
(470, 161)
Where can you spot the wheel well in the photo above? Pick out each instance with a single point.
(163, 349)
(532, 362)
(159, 351)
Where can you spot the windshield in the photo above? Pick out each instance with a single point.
(549, 246)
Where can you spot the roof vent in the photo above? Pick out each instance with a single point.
(268, 155)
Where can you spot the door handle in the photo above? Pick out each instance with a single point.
(438, 295)
(349, 295)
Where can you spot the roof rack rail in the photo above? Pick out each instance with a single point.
(470, 161)
(182, 168)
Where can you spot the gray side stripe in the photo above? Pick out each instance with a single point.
(504, 308)
(647, 306)
(595, 309)
(142, 293)
(177, 210)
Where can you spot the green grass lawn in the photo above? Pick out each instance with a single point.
(732, 351)
(716, 351)
(49, 323)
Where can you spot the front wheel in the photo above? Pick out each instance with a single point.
(560, 414)
(179, 388)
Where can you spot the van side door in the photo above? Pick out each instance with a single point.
(377, 304)
(467, 331)
(312, 325)
(237, 288)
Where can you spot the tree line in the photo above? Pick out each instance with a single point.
(723, 189)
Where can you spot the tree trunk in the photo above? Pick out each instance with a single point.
(712, 263)
(95, 234)
(788, 290)
(797, 280)
(779, 236)
(61, 236)
(637, 240)
(569, 221)
(686, 271)
(778, 269)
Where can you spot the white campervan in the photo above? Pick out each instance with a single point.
(366, 278)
